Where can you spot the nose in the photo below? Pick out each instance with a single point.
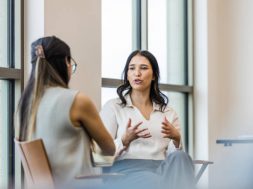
(137, 72)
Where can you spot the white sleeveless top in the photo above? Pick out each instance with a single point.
(67, 146)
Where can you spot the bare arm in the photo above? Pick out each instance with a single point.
(84, 113)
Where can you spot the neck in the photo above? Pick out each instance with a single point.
(140, 99)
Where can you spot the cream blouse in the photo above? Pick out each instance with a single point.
(115, 118)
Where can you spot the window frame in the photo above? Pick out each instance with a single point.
(11, 74)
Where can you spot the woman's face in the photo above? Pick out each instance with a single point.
(140, 73)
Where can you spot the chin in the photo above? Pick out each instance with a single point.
(139, 88)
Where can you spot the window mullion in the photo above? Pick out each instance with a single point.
(144, 24)
(11, 93)
(136, 24)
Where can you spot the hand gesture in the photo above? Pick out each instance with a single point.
(169, 131)
(133, 132)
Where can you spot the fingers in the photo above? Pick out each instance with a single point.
(167, 133)
(129, 123)
(137, 125)
(167, 128)
(167, 125)
(141, 130)
(133, 132)
(143, 133)
(166, 120)
(146, 135)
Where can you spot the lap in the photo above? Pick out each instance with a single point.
(177, 167)
(138, 173)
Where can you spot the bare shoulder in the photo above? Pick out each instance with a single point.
(82, 101)
(82, 109)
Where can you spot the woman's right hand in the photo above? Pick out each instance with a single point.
(133, 132)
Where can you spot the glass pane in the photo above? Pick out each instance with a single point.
(157, 43)
(177, 101)
(3, 134)
(3, 33)
(18, 177)
(107, 94)
(166, 18)
(116, 36)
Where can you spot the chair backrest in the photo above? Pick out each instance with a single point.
(36, 164)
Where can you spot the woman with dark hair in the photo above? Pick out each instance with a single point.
(65, 119)
(146, 129)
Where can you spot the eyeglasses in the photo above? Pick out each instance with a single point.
(73, 65)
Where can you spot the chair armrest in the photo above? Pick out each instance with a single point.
(202, 162)
(202, 169)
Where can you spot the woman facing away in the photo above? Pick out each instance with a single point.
(146, 130)
(65, 119)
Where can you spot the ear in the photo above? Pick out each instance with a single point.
(67, 62)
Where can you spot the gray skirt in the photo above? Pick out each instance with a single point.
(175, 172)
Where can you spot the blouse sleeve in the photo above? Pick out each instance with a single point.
(109, 118)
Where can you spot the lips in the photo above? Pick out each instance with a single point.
(137, 81)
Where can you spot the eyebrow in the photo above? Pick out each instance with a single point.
(140, 65)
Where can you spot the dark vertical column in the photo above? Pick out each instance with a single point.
(186, 72)
(11, 94)
(22, 68)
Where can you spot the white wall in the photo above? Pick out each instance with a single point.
(33, 28)
(223, 68)
(77, 22)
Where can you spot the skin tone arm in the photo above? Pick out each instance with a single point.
(171, 132)
(84, 113)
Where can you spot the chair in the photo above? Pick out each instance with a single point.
(35, 163)
(104, 161)
(204, 165)
(38, 172)
(37, 167)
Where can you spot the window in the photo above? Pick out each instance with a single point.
(3, 33)
(116, 36)
(164, 28)
(168, 40)
(117, 41)
(10, 85)
(3, 134)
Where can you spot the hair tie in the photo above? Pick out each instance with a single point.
(40, 51)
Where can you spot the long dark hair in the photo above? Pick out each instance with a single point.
(155, 94)
(48, 69)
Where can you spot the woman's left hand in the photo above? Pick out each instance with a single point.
(169, 131)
